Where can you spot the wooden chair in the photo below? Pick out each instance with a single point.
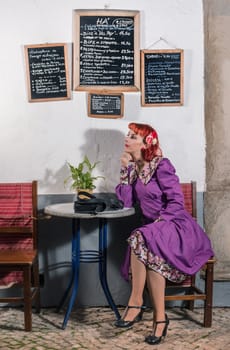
(188, 289)
(18, 246)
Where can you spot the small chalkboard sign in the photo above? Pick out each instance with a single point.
(106, 50)
(105, 105)
(47, 72)
(162, 77)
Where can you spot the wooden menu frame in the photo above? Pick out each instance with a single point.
(47, 72)
(106, 52)
(105, 105)
(162, 78)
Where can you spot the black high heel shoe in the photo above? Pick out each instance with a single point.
(152, 339)
(126, 324)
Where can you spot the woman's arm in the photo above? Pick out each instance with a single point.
(124, 189)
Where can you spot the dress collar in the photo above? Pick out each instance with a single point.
(146, 173)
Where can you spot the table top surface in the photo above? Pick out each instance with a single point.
(67, 210)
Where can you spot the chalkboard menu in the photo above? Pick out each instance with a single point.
(47, 72)
(106, 50)
(162, 77)
(105, 105)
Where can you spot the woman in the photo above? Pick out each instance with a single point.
(170, 244)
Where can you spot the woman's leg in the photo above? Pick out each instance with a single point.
(156, 286)
(138, 271)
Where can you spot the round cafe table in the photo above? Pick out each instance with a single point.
(98, 255)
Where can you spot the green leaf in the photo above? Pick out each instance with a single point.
(81, 175)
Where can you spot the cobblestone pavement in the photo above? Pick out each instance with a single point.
(92, 329)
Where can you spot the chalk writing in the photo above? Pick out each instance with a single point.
(47, 72)
(106, 50)
(105, 105)
(162, 78)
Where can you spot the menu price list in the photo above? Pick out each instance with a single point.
(47, 72)
(162, 78)
(105, 104)
(106, 50)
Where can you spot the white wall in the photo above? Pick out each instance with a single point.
(36, 139)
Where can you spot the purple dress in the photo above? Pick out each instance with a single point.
(170, 240)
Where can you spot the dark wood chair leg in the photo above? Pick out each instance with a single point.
(35, 271)
(209, 294)
(27, 298)
(191, 303)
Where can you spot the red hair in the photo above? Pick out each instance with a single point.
(145, 130)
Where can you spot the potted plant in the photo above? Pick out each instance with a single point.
(82, 176)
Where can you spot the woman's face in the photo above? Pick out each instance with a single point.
(133, 143)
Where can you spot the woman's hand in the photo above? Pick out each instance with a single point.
(125, 159)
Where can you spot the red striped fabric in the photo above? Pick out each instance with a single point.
(187, 191)
(15, 211)
(16, 204)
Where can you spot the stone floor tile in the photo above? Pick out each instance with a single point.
(92, 329)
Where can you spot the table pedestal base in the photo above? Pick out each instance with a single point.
(88, 256)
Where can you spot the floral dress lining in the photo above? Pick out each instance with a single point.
(152, 261)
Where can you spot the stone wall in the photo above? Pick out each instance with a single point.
(217, 124)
